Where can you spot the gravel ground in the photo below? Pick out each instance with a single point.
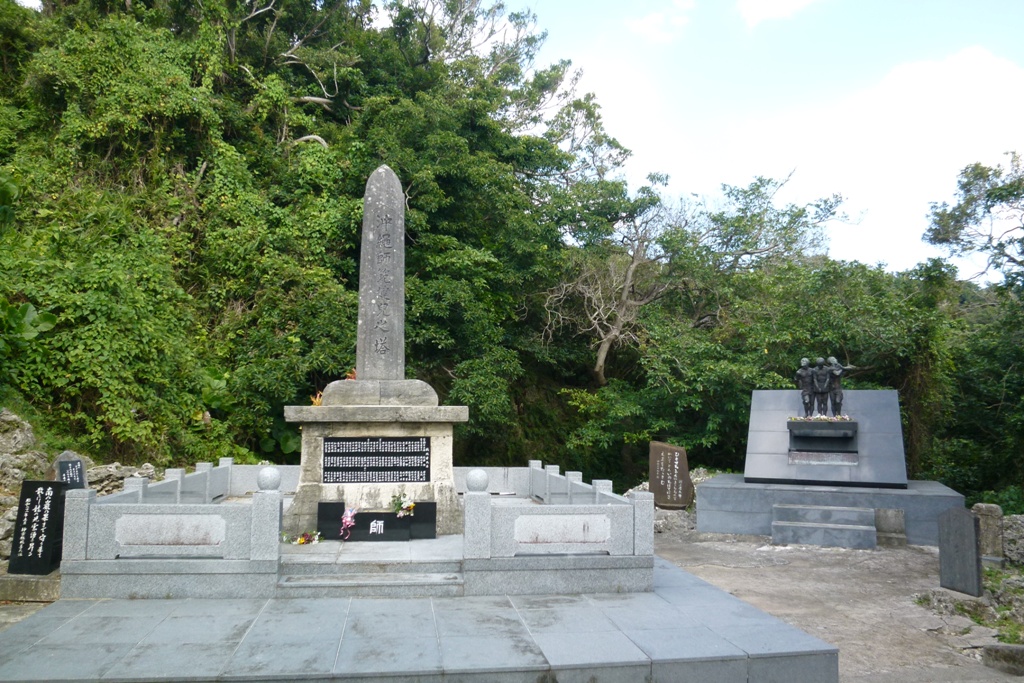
(863, 601)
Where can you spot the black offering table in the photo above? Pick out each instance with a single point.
(378, 525)
(39, 529)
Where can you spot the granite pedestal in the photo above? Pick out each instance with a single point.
(728, 505)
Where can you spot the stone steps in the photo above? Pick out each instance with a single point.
(330, 567)
(329, 576)
(824, 514)
(843, 527)
(390, 584)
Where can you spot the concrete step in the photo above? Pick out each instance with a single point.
(824, 514)
(312, 566)
(379, 584)
(28, 587)
(831, 535)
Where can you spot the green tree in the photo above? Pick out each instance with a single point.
(988, 216)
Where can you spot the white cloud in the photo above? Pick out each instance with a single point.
(663, 26)
(31, 4)
(756, 11)
(891, 149)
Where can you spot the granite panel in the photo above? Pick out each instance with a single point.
(879, 441)
(960, 552)
(603, 647)
(407, 655)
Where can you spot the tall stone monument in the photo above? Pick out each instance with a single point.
(379, 434)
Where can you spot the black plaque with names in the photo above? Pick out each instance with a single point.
(71, 473)
(372, 460)
(39, 528)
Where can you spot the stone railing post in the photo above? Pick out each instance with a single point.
(77, 505)
(601, 486)
(265, 542)
(476, 532)
(531, 466)
(175, 474)
(570, 479)
(643, 522)
(227, 462)
(203, 468)
(552, 472)
(137, 485)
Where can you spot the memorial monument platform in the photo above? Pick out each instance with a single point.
(686, 629)
(831, 481)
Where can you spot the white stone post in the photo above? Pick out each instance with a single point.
(570, 479)
(176, 474)
(227, 462)
(137, 485)
(534, 465)
(77, 504)
(643, 522)
(476, 535)
(601, 486)
(203, 469)
(265, 541)
(552, 472)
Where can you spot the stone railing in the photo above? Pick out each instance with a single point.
(173, 538)
(549, 513)
(208, 484)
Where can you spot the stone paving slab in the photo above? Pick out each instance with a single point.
(684, 630)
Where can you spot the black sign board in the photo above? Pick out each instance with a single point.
(39, 529)
(378, 526)
(71, 473)
(365, 460)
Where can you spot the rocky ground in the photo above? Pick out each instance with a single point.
(20, 460)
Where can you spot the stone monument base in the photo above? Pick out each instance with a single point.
(728, 505)
(433, 423)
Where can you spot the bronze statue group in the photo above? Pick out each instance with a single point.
(820, 385)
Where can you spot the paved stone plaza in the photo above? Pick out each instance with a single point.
(685, 630)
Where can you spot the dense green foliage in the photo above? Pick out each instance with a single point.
(180, 207)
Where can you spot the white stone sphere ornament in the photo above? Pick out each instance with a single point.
(269, 479)
(476, 480)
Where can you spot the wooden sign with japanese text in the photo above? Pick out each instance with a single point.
(670, 476)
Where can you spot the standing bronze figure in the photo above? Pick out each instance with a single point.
(805, 383)
(822, 381)
(836, 390)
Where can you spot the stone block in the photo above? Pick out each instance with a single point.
(827, 535)
(824, 514)
(265, 530)
(356, 392)
(643, 523)
(1006, 658)
(409, 414)
(990, 520)
(77, 504)
(960, 552)
(891, 525)
(477, 534)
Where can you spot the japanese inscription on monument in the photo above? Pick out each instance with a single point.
(670, 476)
(363, 460)
(380, 341)
(38, 528)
